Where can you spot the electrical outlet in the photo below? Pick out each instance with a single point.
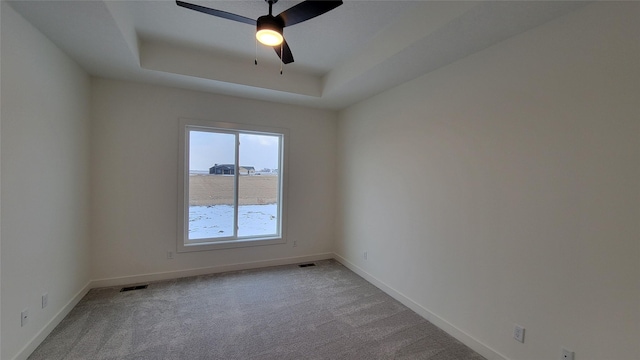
(295, 243)
(567, 354)
(365, 255)
(169, 254)
(518, 333)
(45, 300)
(24, 317)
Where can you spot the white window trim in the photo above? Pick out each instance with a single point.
(183, 181)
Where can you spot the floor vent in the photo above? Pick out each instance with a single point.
(130, 288)
(307, 265)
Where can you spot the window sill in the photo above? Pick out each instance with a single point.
(229, 244)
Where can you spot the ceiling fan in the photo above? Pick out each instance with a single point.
(269, 28)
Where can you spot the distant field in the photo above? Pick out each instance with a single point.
(218, 190)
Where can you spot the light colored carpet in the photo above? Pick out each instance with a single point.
(285, 312)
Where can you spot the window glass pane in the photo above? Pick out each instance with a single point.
(211, 184)
(258, 185)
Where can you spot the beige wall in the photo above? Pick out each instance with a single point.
(135, 172)
(501, 189)
(45, 181)
(505, 189)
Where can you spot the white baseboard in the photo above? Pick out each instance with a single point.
(167, 275)
(24, 353)
(463, 337)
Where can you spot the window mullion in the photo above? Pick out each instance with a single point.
(236, 186)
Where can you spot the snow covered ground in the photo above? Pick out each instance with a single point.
(217, 220)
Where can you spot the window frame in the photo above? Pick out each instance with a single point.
(183, 243)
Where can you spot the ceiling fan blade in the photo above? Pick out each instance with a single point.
(306, 10)
(288, 56)
(218, 13)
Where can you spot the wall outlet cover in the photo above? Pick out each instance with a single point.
(518, 333)
(567, 354)
(24, 317)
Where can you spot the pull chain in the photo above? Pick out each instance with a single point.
(281, 55)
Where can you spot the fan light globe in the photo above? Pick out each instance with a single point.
(269, 37)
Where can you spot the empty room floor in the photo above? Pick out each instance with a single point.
(287, 312)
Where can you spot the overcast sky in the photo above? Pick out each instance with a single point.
(208, 149)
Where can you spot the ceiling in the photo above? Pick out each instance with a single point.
(353, 52)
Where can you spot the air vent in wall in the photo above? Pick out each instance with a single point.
(130, 288)
(307, 265)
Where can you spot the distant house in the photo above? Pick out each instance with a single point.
(230, 169)
(222, 169)
(247, 170)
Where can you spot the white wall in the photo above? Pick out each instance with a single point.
(45, 180)
(505, 188)
(135, 172)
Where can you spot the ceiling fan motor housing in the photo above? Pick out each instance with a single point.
(269, 23)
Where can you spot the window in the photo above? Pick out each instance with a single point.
(231, 185)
